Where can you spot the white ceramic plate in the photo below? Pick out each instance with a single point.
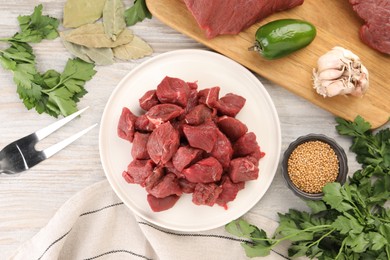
(208, 69)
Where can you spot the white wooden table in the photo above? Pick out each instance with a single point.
(29, 200)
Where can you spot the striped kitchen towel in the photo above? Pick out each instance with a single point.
(95, 224)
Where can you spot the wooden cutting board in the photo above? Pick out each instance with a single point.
(337, 25)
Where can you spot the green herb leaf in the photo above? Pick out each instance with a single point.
(137, 13)
(36, 27)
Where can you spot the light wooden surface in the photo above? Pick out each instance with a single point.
(336, 23)
(29, 200)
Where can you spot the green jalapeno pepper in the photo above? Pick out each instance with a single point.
(279, 38)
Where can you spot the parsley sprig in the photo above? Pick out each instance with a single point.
(137, 13)
(351, 221)
(49, 92)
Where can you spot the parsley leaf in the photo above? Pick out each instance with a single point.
(36, 27)
(137, 13)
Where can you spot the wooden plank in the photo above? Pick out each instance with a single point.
(337, 25)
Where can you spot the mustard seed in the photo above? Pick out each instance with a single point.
(312, 165)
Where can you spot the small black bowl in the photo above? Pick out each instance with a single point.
(340, 153)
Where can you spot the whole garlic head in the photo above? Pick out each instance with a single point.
(340, 72)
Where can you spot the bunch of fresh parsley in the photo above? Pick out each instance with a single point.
(50, 92)
(351, 221)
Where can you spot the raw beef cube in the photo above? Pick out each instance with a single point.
(168, 185)
(186, 186)
(170, 168)
(202, 136)
(161, 204)
(256, 156)
(163, 143)
(209, 96)
(230, 104)
(229, 191)
(148, 100)
(206, 194)
(242, 169)
(178, 125)
(198, 115)
(192, 101)
(138, 150)
(138, 171)
(173, 90)
(127, 177)
(184, 156)
(193, 85)
(205, 171)
(231, 127)
(246, 145)
(143, 124)
(163, 112)
(126, 125)
(154, 177)
(222, 150)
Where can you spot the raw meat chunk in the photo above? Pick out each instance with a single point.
(230, 104)
(156, 175)
(161, 204)
(229, 191)
(242, 169)
(138, 150)
(143, 124)
(138, 171)
(173, 90)
(184, 156)
(166, 186)
(126, 125)
(209, 96)
(148, 100)
(206, 194)
(222, 150)
(376, 32)
(205, 171)
(231, 127)
(192, 100)
(198, 115)
(186, 186)
(163, 143)
(202, 136)
(246, 145)
(162, 113)
(170, 168)
(232, 16)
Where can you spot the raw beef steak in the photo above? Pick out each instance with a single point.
(232, 16)
(376, 32)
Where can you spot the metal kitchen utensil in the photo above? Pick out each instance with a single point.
(21, 154)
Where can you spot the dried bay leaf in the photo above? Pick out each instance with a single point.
(136, 49)
(114, 18)
(80, 12)
(101, 56)
(75, 49)
(94, 36)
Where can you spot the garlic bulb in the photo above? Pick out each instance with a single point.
(340, 72)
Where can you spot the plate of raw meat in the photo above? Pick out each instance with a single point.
(190, 140)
